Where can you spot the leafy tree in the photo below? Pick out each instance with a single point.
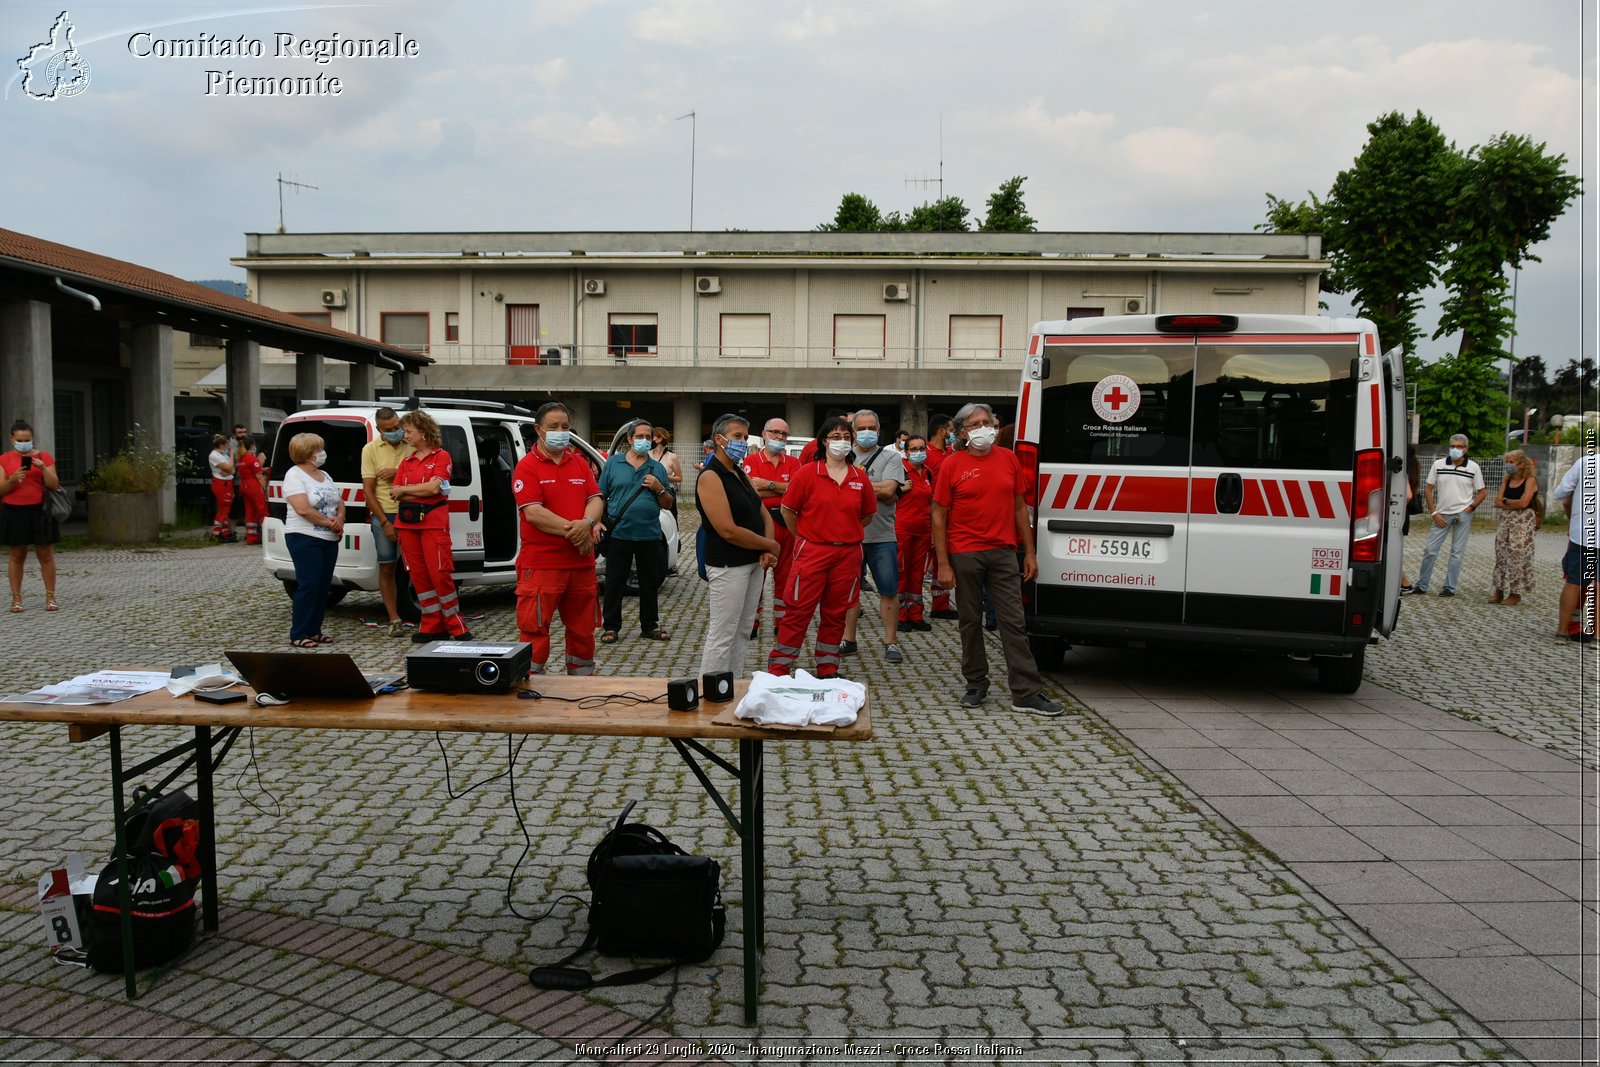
(856, 214)
(1506, 195)
(1285, 216)
(1461, 394)
(1007, 213)
(947, 215)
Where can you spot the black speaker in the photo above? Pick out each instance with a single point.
(683, 694)
(718, 686)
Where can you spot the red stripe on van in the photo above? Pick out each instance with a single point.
(1279, 338)
(1377, 418)
(1203, 496)
(1297, 499)
(1161, 495)
(1033, 345)
(1107, 493)
(1319, 494)
(1091, 482)
(1065, 492)
(1022, 413)
(1372, 343)
(1274, 495)
(1124, 339)
(1255, 502)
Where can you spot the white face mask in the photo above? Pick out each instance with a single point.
(22, 446)
(981, 438)
(320, 458)
(839, 449)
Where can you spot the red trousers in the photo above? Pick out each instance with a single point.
(915, 548)
(429, 562)
(222, 524)
(820, 576)
(780, 571)
(575, 594)
(255, 510)
(941, 593)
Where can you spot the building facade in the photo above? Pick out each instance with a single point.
(679, 327)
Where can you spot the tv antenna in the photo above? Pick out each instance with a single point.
(282, 181)
(939, 181)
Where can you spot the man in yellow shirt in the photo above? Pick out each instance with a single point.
(380, 458)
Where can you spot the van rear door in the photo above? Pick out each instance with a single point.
(1112, 521)
(1398, 430)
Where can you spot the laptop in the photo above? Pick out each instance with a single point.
(298, 674)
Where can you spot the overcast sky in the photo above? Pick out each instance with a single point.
(1142, 115)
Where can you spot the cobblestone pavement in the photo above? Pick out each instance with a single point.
(965, 876)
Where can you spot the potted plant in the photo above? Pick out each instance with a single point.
(124, 492)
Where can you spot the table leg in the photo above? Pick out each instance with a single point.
(124, 888)
(208, 826)
(752, 871)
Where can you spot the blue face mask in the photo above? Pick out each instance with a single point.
(641, 446)
(394, 437)
(557, 440)
(737, 450)
(1456, 453)
(866, 438)
(774, 445)
(918, 458)
(950, 438)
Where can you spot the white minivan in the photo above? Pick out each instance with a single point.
(485, 440)
(1223, 482)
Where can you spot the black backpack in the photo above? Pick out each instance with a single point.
(649, 898)
(163, 837)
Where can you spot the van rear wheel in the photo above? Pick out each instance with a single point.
(1341, 674)
(1048, 651)
(336, 594)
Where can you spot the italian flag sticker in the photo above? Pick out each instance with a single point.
(1325, 584)
(353, 542)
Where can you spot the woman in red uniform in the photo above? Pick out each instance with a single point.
(25, 474)
(221, 463)
(913, 532)
(422, 497)
(826, 507)
(253, 487)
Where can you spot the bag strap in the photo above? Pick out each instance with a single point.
(623, 510)
(562, 976)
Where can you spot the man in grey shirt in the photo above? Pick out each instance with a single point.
(880, 553)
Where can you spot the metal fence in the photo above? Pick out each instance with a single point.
(775, 356)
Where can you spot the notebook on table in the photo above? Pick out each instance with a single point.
(302, 674)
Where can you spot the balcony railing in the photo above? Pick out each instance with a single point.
(776, 357)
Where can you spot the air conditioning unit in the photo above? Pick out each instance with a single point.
(335, 298)
(1134, 305)
(594, 287)
(896, 291)
(707, 284)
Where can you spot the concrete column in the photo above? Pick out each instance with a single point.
(405, 383)
(150, 397)
(308, 379)
(914, 413)
(362, 381)
(686, 438)
(801, 416)
(27, 373)
(580, 422)
(244, 387)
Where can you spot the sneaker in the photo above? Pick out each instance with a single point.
(1407, 590)
(847, 648)
(1039, 704)
(420, 638)
(947, 613)
(917, 625)
(1448, 592)
(975, 695)
(463, 636)
(397, 628)
(892, 653)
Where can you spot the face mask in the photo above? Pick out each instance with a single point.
(838, 449)
(394, 437)
(22, 446)
(866, 438)
(320, 458)
(774, 445)
(982, 437)
(950, 438)
(737, 450)
(557, 440)
(641, 447)
(918, 458)
(1457, 453)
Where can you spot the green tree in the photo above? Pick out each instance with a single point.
(1461, 394)
(856, 214)
(1007, 212)
(946, 215)
(1505, 197)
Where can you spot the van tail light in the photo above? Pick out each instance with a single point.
(1367, 507)
(1028, 455)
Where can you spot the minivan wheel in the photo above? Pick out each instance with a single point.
(405, 597)
(336, 594)
(1048, 651)
(1341, 674)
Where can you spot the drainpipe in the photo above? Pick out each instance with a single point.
(93, 301)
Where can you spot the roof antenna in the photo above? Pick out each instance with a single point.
(282, 181)
(939, 181)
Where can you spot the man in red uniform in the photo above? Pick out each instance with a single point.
(561, 507)
(827, 507)
(913, 532)
(979, 519)
(941, 445)
(770, 469)
(252, 486)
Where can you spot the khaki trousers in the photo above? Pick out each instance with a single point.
(996, 568)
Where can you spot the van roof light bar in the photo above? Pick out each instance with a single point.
(1197, 323)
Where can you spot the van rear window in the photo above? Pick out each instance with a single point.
(1275, 407)
(343, 438)
(1121, 404)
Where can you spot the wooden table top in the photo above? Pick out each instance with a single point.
(604, 711)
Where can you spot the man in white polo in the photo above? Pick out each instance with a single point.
(1453, 492)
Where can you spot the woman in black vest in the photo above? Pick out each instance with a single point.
(740, 546)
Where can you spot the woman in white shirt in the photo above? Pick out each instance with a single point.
(221, 460)
(313, 527)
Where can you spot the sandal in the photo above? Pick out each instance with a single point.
(658, 634)
(609, 637)
(304, 642)
(50, 602)
(16, 605)
(323, 639)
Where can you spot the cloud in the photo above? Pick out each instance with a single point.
(695, 23)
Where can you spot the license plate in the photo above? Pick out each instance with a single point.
(1111, 548)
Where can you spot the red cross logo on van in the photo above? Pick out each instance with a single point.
(1115, 398)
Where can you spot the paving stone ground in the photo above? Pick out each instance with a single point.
(964, 877)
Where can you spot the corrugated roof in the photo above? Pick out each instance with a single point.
(81, 267)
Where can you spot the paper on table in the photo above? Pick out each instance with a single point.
(101, 687)
(205, 676)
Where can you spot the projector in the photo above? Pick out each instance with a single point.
(468, 666)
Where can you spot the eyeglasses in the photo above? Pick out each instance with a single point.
(836, 437)
(778, 433)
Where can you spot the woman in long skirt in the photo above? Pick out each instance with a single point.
(1513, 538)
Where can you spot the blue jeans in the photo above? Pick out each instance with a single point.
(314, 558)
(1458, 528)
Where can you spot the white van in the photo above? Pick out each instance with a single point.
(485, 440)
(1229, 482)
